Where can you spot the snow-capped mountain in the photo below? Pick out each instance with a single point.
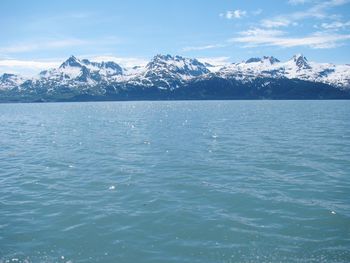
(298, 67)
(168, 76)
(264, 60)
(74, 72)
(8, 81)
(169, 72)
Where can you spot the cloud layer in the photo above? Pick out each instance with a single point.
(257, 37)
(328, 31)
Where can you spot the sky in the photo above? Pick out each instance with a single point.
(41, 34)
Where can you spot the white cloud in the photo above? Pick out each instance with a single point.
(291, 19)
(268, 35)
(234, 14)
(262, 33)
(205, 47)
(26, 67)
(261, 37)
(335, 25)
(277, 22)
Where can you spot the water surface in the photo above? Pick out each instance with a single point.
(210, 181)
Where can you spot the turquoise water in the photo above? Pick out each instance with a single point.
(210, 181)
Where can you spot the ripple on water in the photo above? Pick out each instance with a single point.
(216, 181)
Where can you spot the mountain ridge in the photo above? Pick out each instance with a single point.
(167, 76)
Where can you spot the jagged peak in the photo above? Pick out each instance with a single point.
(43, 73)
(103, 64)
(72, 58)
(299, 56)
(176, 58)
(177, 65)
(270, 59)
(72, 66)
(87, 62)
(110, 64)
(168, 57)
(72, 61)
(300, 61)
(253, 60)
(7, 76)
(208, 64)
(163, 57)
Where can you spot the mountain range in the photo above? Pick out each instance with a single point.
(168, 77)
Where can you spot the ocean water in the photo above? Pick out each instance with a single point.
(193, 181)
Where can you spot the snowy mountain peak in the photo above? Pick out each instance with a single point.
(112, 65)
(8, 81)
(299, 56)
(301, 62)
(72, 61)
(109, 67)
(7, 76)
(160, 57)
(271, 59)
(168, 72)
(253, 60)
(177, 65)
(75, 71)
(265, 59)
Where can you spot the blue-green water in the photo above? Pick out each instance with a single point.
(216, 181)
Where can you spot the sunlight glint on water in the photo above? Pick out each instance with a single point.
(216, 181)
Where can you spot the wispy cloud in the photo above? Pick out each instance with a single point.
(42, 45)
(260, 37)
(298, 2)
(234, 14)
(49, 44)
(269, 33)
(318, 11)
(237, 14)
(277, 22)
(327, 36)
(204, 47)
(336, 25)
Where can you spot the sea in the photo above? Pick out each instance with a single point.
(175, 181)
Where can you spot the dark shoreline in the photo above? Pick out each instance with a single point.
(168, 100)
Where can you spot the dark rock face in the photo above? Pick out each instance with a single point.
(301, 62)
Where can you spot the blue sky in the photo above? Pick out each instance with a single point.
(39, 34)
